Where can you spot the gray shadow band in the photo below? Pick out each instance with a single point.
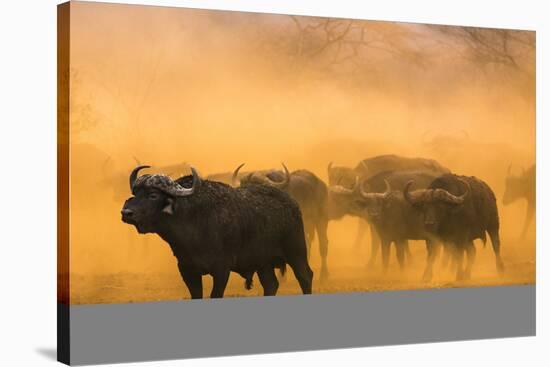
(203, 328)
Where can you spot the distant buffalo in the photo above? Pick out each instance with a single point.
(522, 186)
(459, 209)
(344, 176)
(311, 194)
(380, 200)
(213, 228)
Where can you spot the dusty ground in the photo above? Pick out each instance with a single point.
(125, 287)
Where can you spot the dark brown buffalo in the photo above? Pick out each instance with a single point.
(213, 228)
(458, 210)
(380, 201)
(365, 169)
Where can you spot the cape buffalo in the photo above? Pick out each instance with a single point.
(367, 168)
(522, 186)
(213, 228)
(379, 199)
(311, 194)
(459, 209)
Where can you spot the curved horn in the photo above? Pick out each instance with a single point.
(367, 195)
(134, 175)
(338, 189)
(181, 191)
(388, 188)
(234, 180)
(456, 199)
(279, 185)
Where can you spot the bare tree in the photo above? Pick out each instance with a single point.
(498, 48)
(339, 46)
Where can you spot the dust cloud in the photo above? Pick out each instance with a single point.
(165, 86)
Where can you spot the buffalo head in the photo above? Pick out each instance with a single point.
(375, 203)
(154, 198)
(436, 203)
(345, 200)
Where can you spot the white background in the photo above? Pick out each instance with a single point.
(28, 191)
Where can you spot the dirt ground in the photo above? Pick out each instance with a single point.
(127, 287)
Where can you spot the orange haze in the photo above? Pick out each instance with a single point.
(215, 89)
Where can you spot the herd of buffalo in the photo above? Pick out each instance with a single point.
(253, 222)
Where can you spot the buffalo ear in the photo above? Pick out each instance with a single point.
(169, 208)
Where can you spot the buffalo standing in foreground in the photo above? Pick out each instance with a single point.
(522, 187)
(380, 200)
(311, 194)
(214, 229)
(458, 210)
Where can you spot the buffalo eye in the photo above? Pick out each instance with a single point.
(153, 196)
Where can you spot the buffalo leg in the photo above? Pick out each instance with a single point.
(220, 282)
(269, 281)
(432, 250)
(495, 241)
(309, 231)
(528, 219)
(374, 246)
(471, 257)
(296, 257)
(303, 274)
(459, 260)
(192, 280)
(449, 256)
(400, 247)
(361, 229)
(408, 254)
(309, 234)
(445, 256)
(323, 247)
(385, 244)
